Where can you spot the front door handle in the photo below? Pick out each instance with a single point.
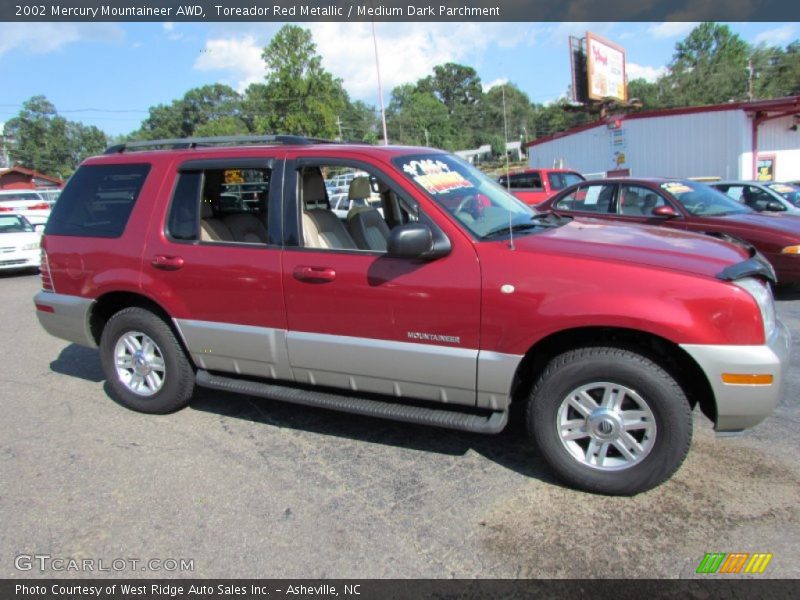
(314, 274)
(167, 263)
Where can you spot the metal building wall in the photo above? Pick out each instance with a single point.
(687, 145)
(777, 138)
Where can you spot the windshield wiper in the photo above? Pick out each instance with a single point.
(505, 229)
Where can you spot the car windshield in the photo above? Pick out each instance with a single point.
(14, 224)
(701, 200)
(477, 202)
(558, 181)
(790, 192)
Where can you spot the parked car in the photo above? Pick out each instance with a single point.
(19, 243)
(534, 186)
(28, 203)
(687, 205)
(457, 302)
(760, 196)
(787, 191)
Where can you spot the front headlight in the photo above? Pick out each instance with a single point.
(33, 246)
(762, 294)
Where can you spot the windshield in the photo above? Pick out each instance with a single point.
(14, 224)
(790, 192)
(701, 200)
(558, 181)
(477, 202)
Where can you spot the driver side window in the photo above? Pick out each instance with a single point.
(589, 198)
(361, 216)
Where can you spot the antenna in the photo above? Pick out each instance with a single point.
(508, 174)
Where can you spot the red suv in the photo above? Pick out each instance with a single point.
(443, 307)
(534, 186)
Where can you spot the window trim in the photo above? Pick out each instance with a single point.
(217, 164)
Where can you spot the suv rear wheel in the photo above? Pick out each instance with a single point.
(609, 420)
(145, 366)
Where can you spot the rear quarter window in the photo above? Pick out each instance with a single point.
(97, 201)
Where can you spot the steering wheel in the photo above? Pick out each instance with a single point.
(463, 204)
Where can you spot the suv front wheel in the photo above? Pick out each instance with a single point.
(145, 366)
(609, 420)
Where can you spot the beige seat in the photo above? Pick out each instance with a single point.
(321, 227)
(211, 228)
(246, 227)
(367, 228)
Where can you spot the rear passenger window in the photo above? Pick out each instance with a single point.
(591, 198)
(220, 206)
(97, 201)
(526, 181)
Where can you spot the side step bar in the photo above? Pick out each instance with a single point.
(463, 421)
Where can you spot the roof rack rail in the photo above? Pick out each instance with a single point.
(229, 140)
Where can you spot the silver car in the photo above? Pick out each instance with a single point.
(758, 195)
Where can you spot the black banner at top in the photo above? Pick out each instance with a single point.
(393, 10)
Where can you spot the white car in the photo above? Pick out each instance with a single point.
(28, 203)
(19, 243)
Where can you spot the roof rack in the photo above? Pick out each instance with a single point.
(230, 140)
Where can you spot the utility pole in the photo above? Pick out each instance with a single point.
(750, 79)
(339, 125)
(427, 142)
(380, 88)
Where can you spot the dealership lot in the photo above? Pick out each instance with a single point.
(247, 487)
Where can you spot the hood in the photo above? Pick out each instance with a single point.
(776, 222)
(637, 244)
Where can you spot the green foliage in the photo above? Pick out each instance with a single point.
(196, 114)
(299, 97)
(708, 67)
(49, 143)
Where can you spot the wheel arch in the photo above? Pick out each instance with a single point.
(666, 353)
(111, 303)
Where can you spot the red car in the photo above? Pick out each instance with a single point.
(453, 302)
(534, 186)
(690, 206)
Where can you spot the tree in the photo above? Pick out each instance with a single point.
(46, 142)
(519, 113)
(459, 88)
(197, 113)
(418, 117)
(299, 95)
(708, 67)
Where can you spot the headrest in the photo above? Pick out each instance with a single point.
(313, 187)
(359, 188)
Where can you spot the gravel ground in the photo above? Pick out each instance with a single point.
(246, 487)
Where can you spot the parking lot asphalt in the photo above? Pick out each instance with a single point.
(246, 487)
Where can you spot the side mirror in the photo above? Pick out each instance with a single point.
(774, 206)
(411, 240)
(665, 211)
(38, 227)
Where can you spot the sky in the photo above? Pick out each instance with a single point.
(109, 74)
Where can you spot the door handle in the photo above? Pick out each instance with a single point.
(314, 274)
(167, 263)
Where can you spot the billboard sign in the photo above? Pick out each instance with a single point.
(605, 65)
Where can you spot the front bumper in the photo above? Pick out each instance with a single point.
(744, 405)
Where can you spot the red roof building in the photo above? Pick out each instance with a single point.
(20, 178)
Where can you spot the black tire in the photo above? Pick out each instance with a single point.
(177, 381)
(585, 371)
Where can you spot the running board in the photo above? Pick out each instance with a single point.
(492, 423)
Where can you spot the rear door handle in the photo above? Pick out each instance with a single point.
(314, 274)
(167, 263)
